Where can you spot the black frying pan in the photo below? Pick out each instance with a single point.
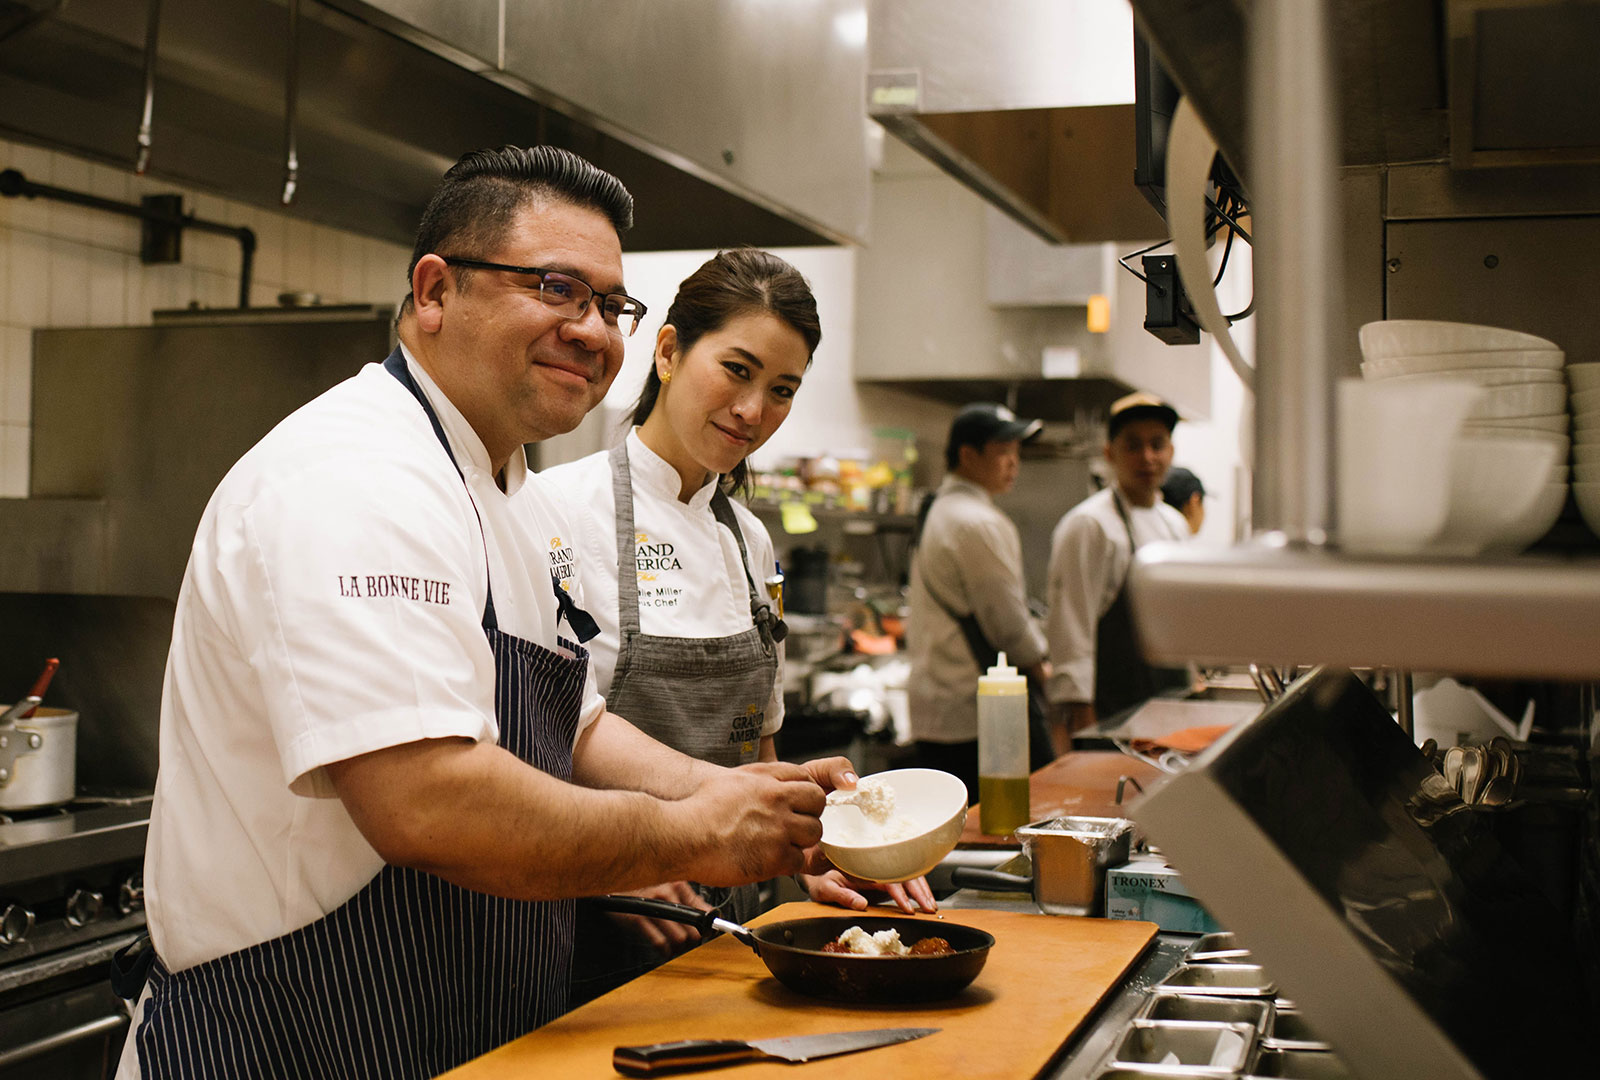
(792, 951)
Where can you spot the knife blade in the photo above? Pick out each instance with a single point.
(657, 1059)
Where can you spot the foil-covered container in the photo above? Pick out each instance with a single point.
(1070, 856)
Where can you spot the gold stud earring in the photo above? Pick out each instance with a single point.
(666, 377)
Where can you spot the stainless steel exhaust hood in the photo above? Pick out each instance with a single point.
(1027, 102)
(730, 122)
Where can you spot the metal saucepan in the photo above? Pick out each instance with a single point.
(792, 951)
(38, 750)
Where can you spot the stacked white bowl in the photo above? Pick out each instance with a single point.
(1509, 472)
(1585, 382)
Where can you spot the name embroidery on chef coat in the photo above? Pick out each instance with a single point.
(400, 586)
(563, 563)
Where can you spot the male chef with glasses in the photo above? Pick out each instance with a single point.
(385, 771)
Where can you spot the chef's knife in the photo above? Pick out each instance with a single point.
(660, 1058)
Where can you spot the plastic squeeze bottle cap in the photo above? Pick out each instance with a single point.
(1001, 679)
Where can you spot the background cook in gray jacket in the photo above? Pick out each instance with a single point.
(968, 563)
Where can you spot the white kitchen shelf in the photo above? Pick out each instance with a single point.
(1524, 616)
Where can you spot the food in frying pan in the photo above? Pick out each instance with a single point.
(858, 942)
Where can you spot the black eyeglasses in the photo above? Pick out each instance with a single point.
(570, 296)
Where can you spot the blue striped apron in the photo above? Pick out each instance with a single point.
(413, 975)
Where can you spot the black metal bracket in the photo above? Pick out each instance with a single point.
(161, 233)
(163, 218)
(1167, 312)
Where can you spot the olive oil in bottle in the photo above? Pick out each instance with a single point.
(1002, 749)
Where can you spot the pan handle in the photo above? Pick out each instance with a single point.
(971, 877)
(704, 921)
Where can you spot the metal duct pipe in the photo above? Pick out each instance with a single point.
(15, 185)
(151, 36)
(1296, 209)
(291, 90)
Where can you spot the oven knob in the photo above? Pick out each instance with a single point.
(82, 906)
(130, 897)
(15, 922)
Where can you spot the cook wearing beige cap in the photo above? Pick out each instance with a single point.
(1097, 670)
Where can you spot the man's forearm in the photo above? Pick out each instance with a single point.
(612, 753)
(475, 815)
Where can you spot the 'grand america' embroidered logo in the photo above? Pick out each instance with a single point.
(747, 728)
(563, 563)
(652, 558)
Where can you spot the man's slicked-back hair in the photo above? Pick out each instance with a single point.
(478, 199)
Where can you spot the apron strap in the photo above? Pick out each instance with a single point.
(761, 612)
(627, 546)
(1122, 512)
(582, 623)
(396, 365)
(130, 968)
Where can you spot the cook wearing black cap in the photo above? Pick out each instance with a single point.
(1183, 491)
(1097, 670)
(967, 600)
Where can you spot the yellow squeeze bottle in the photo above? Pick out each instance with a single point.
(1002, 749)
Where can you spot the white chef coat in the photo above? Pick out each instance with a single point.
(970, 558)
(332, 606)
(1089, 561)
(690, 582)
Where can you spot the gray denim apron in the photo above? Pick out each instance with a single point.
(413, 975)
(704, 697)
(1122, 676)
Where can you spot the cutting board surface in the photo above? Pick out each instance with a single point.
(1044, 975)
(1081, 783)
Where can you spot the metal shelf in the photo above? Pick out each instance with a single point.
(1522, 616)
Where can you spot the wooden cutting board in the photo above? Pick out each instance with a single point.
(1044, 975)
(1081, 783)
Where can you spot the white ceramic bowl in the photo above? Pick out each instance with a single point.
(1583, 376)
(1588, 473)
(1586, 401)
(1494, 485)
(1588, 496)
(1394, 446)
(1585, 436)
(1396, 370)
(936, 804)
(1525, 399)
(1558, 423)
(1587, 420)
(1586, 455)
(1425, 337)
(1533, 524)
(1561, 442)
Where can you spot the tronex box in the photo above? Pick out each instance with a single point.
(1147, 889)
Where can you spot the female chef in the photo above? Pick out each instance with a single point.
(686, 648)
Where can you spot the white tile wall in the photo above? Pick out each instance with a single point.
(63, 265)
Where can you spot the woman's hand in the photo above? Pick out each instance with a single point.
(837, 887)
(667, 937)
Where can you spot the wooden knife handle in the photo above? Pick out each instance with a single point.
(657, 1059)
